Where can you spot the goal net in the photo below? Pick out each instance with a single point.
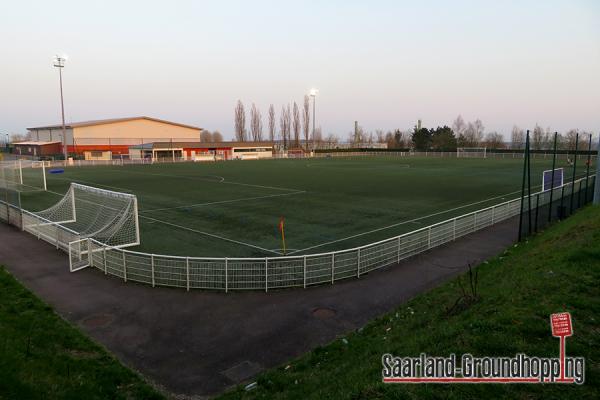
(108, 217)
(23, 175)
(471, 152)
(548, 183)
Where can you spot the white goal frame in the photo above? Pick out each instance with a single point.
(471, 152)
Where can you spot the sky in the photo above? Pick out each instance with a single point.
(382, 63)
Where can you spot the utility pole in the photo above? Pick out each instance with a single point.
(59, 62)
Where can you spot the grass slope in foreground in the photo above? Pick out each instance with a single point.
(44, 357)
(558, 270)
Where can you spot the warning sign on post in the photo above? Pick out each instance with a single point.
(561, 324)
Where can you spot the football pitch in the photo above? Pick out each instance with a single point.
(233, 208)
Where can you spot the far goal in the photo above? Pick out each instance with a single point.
(471, 152)
(552, 179)
(23, 175)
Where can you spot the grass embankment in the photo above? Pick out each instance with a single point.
(44, 357)
(558, 270)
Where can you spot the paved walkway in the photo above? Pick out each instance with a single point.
(199, 343)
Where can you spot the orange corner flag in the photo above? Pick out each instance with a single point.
(281, 226)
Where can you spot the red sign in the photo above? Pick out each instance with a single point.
(561, 324)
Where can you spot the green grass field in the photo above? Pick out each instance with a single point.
(44, 357)
(233, 208)
(556, 271)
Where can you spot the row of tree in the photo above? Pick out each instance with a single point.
(294, 123)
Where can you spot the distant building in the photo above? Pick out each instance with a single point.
(202, 151)
(114, 136)
(37, 149)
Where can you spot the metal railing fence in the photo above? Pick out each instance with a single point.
(285, 271)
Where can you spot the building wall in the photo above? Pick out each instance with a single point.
(133, 132)
(51, 135)
(241, 152)
(97, 155)
(34, 150)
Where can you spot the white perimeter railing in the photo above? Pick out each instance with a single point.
(275, 272)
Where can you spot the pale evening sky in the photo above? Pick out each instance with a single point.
(383, 63)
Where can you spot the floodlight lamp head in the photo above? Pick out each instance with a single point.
(314, 92)
(59, 61)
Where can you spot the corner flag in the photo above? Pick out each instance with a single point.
(281, 229)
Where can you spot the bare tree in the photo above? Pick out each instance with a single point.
(331, 141)
(479, 131)
(318, 137)
(296, 125)
(537, 138)
(217, 137)
(271, 123)
(517, 137)
(240, 122)
(570, 139)
(458, 126)
(255, 123)
(380, 135)
(206, 136)
(494, 140)
(285, 125)
(306, 119)
(472, 135)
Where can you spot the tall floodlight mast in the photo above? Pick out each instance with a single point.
(59, 62)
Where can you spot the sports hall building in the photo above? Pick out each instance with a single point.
(103, 139)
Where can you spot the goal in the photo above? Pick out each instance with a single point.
(471, 152)
(547, 176)
(23, 175)
(108, 217)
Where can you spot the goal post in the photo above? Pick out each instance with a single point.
(471, 152)
(23, 175)
(86, 212)
(548, 175)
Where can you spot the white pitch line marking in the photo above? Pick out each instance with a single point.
(221, 202)
(208, 180)
(209, 234)
(415, 220)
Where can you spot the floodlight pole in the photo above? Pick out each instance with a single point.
(59, 62)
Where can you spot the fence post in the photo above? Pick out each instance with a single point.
(332, 267)
(89, 251)
(124, 268)
(304, 272)
(57, 234)
(152, 266)
(537, 208)
(399, 241)
(266, 274)
(493, 208)
(454, 229)
(187, 273)
(226, 277)
(562, 198)
(475, 221)
(429, 237)
(358, 264)
(105, 263)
